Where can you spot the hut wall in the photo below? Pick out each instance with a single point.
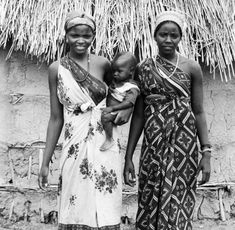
(24, 113)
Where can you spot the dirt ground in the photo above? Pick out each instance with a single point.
(214, 225)
(198, 225)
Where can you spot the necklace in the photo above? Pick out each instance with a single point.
(176, 66)
(88, 62)
(76, 69)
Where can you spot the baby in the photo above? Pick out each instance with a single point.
(122, 93)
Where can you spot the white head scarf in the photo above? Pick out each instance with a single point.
(75, 18)
(172, 16)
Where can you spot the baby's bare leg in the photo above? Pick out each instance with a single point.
(108, 128)
(106, 120)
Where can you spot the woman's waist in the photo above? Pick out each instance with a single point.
(79, 118)
(165, 98)
(83, 107)
(173, 104)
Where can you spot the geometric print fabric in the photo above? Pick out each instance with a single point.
(169, 156)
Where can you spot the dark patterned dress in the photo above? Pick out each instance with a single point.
(169, 155)
(90, 183)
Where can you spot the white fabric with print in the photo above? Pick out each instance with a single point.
(91, 192)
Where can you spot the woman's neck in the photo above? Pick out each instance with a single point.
(81, 59)
(172, 57)
(77, 56)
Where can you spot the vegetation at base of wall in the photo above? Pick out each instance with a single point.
(36, 27)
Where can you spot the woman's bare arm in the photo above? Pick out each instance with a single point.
(136, 128)
(56, 116)
(201, 124)
(54, 126)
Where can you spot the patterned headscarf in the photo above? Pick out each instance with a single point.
(172, 16)
(75, 18)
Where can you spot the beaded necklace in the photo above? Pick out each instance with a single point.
(176, 66)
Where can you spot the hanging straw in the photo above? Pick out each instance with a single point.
(36, 27)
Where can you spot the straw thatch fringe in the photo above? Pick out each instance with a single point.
(36, 27)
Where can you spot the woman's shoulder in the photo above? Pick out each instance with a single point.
(145, 62)
(190, 62)
(53, 69)
(54, 66)
(100, 60)
(192, 66)
(145, 65)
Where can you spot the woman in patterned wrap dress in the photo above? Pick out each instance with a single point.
(90, 181)
(170, 112)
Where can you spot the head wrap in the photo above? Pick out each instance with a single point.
(75, 18)
(172, 16)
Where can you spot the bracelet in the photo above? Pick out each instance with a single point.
(206, 146)
(206, 150)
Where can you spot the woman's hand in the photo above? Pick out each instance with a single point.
(43, 177)
(107, 110)
(129, 170)
(205, 167)
(123, 116)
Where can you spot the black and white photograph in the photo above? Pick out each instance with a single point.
(117, 115)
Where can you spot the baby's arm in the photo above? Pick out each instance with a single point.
(127, 103)
(122, 105)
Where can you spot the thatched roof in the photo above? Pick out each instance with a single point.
(36, 27)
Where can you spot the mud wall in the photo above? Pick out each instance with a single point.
(24, 99)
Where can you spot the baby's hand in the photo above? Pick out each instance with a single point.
(107, 110)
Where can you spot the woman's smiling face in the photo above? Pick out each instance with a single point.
(168, 37)
(79, 38)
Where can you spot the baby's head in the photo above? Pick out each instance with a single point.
(123, 66)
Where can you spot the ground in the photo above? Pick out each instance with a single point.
(198, 225)
(214, 225)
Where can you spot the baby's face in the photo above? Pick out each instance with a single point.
(121, 70)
